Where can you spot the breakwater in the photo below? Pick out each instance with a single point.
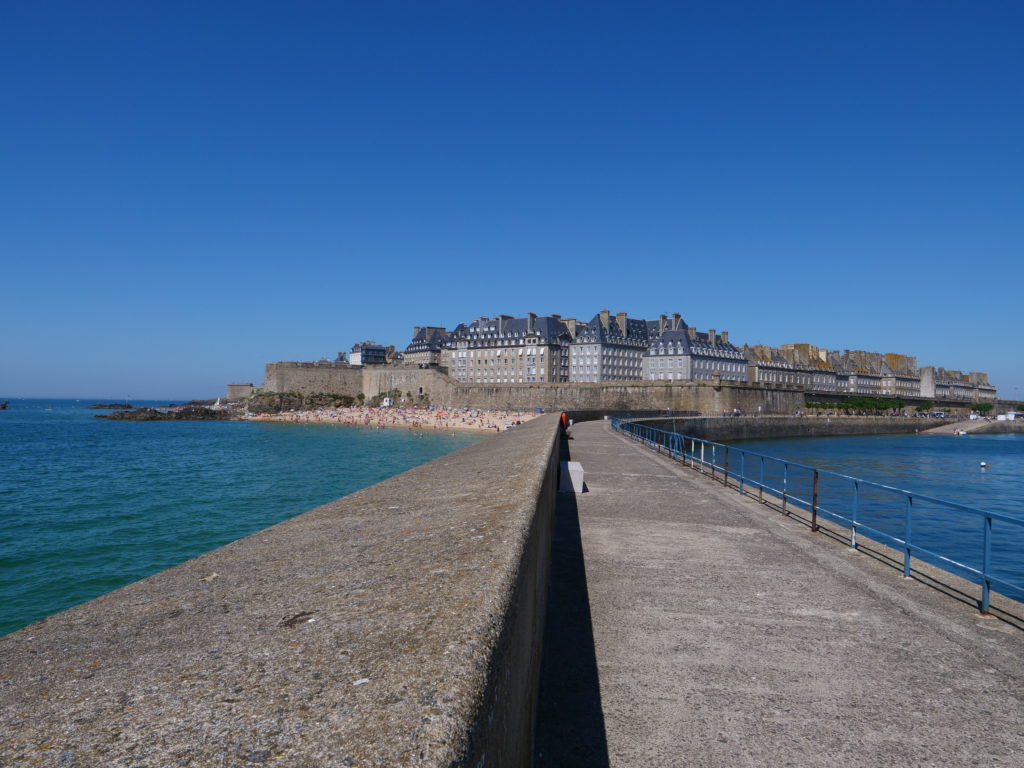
(401, 623)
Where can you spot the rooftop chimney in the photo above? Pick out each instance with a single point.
(531, 322)
(604, 313)
(661, 323)
(620, 318)
(725, 337)
(415, 331)
(692, 332)
(711, 335)
(676, 320)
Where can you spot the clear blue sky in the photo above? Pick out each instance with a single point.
(190, 190)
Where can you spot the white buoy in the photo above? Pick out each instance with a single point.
(985, 465)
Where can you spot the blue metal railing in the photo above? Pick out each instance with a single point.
(864, 507)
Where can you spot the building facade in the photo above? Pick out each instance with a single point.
(608, 348)
(509, 350)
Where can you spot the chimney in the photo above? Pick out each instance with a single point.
(531, 322)
(620, 318)
(415, 331)
(692, 332)
(711, 336)
(661, 323)
(570, 323)
(557, 317)
(725, 337)
(604, 318)
(676, 320)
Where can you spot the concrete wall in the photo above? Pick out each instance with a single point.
(399, 625)
(748, 428)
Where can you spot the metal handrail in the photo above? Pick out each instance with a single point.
(709, 456)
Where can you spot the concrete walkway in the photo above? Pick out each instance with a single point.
(975, 425)
(689, 626)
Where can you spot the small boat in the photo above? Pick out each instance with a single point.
(4, 404)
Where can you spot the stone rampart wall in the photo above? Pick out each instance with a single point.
(704, 397)
(313, 378)
(399, 625)
(766, 428)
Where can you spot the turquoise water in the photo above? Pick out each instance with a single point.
(942, 466)
(89, 505)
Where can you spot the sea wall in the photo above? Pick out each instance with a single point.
(399, 625)
(1000, 428)
(766, 428)
(313, 378)
(418, 383)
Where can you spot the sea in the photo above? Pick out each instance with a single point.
(88, 505)
(945, 467)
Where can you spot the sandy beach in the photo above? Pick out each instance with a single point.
(438, 419)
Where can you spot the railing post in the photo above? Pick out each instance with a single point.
(785, 485)
(702, 456)
(853, 519)
(743, 469)
(760, 490)
(906, 537)
(714, 459)
(814, 504)
(725, 477)
(986, 565)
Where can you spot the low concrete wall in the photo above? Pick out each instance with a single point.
(1000, 428)
(769, 427)
(399, 625)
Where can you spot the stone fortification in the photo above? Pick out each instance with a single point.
(419, 384)
(313, 378)
(399, 625)
(750, 428)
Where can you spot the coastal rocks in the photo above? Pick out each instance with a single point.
(276, 402)
(188, 413)
(111, 406)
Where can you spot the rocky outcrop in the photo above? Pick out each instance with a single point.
(188, 413)
(275, 402)
(111, 406)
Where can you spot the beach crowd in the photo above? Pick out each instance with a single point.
(439, 419)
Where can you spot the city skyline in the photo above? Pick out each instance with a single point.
(188, 196)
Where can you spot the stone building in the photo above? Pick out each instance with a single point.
(768, 365)
(509, 350)
(682, 353)
(813, 363)
(608, 348)
(942, 384)
(426, 345)
(368, 353)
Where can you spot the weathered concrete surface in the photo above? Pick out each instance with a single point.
(397, 626)
(725, 634)
(981, 427)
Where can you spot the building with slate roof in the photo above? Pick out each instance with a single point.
(682, 353)
(369, 353)
(425, 347)
(510, 350)
(608, 348)
(769, 365)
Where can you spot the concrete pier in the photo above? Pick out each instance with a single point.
(690, 626)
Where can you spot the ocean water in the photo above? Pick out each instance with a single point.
(942, 466)
(89, 505)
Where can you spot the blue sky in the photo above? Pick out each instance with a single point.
(190, 190)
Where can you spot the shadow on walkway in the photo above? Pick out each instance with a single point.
(570, 724)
